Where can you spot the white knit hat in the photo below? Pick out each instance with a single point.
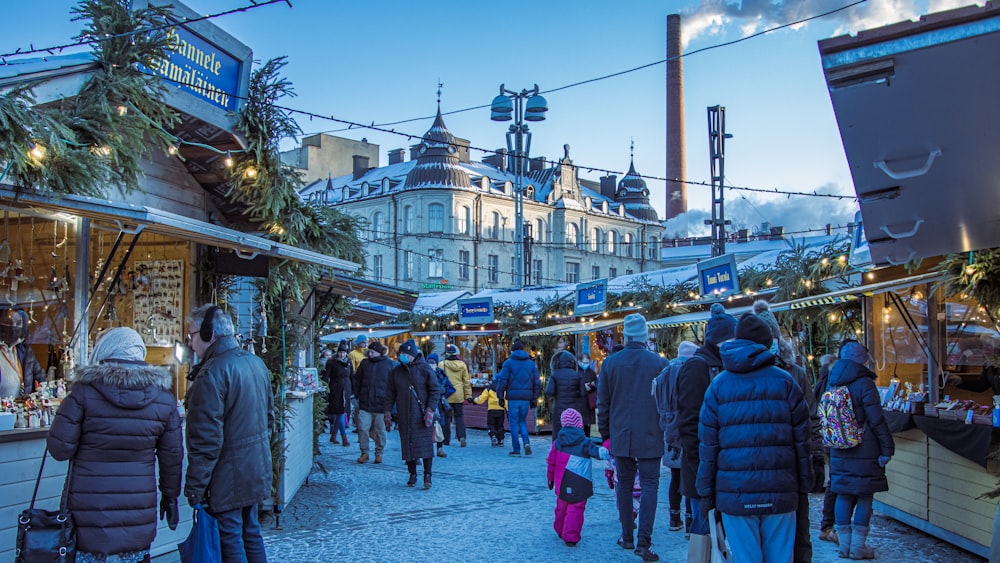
(120, 343)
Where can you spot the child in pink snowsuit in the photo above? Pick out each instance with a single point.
(569, 475)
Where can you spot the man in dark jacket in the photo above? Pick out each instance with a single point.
(627, 416)
(230, 416)
(692, 383)
(371, 387)
(755, 454)
(518, 384)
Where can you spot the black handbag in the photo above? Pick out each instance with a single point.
(45, 536)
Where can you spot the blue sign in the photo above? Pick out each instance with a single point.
(199, 67)
(717, 276)
(475, 311)
(591, 297)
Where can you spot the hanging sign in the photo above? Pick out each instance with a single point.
(591, 297)
(717, 276)
(475, 311)
(195, 65)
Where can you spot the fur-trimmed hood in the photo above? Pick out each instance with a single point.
(125, 385)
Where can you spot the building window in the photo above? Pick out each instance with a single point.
(628, 244)
(376, 225)
(435, 218)
(612, 242)
(572, 234)
(595, 243)
(629, 271)
(513, 270)
(408, 219)
(595, 272)
(463, 264)
(464, 214)
(540, 231)
(435, 263)
(572, 272)
(536, 272)
(408, 265)
(612, 272)
(493, 262)
(495, 226)
(652, 248)
(377, 267)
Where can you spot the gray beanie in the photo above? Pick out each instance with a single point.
(763, 310)
(635, 328)
(120, 343)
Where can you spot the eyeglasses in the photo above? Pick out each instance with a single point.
(190, 335)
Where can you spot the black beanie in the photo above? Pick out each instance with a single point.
(753, 328)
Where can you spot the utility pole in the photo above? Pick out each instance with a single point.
(717, 157)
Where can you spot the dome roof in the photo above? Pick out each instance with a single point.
(633, 193)
(437, 165)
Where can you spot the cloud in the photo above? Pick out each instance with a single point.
(688, 224)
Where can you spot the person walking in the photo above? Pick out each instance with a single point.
(627, 416)
(414, 389)
(856, 474)
(565, 388)
(230, 416)
(693, 380)
(458, 375)
(755, 454)
(518, 387)
(443, 407)
(569, 475)
(371, 387)
(339, 372)
(588, 383)
(827, 532)
(494, 414)
(360, 351)
(119, 425)
(665, 392)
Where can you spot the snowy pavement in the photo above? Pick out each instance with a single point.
(487, 505)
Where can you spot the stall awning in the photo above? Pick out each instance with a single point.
(131, 217)
(457, 333)
(369, 332)
(367, 290)
(573, 328)
(699, 318)
(852, 293)
(367, 316)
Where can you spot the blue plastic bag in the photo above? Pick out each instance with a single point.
(202, 544)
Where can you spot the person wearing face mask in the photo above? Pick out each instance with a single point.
(565, 388)
(338, 374)
(19, 369)
(588, 390)
(414, 389)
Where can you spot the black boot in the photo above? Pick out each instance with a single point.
(427, 472)
(411, 466)
(412, 482)
(427, 480)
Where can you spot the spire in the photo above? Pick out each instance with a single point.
(633, 193)
(437, 165)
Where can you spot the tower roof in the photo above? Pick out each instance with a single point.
(634, 195)
(437, 165)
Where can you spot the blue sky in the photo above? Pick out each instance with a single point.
(380, 61)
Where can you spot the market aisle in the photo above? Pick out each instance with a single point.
(489, 506)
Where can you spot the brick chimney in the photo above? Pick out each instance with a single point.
(498, 159)
(676, 168)
(360, 166)
(608, 185)
(396, 156)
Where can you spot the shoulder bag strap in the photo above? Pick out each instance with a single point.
(39, 479)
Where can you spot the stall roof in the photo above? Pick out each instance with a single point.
(484, 332)
(367, 315)
(367, 290)
(573, 328)
(369, 332)
(130, 217)
(851, 293)
(701, 317)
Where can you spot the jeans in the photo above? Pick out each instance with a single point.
(699, 523)
(457, 414)
(761, 539)
(649, 483)
(337, 424)
(374, 423)
(862, 512)
(239, 535)
(517, 411)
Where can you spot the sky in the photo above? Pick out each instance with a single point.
(380, 61)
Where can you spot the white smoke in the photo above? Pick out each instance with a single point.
(711, 17)
(691, 223)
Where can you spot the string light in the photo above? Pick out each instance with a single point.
(172, 150)
(36, 150)
(251, 172)
(229, 160)
(122, 110)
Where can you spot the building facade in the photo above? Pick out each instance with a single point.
(441, 221)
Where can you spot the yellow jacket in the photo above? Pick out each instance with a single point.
(458, 374)
(494, 401)
(356, 355)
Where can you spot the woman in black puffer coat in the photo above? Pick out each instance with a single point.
(414, 389)
(565, 388)
(118, 425)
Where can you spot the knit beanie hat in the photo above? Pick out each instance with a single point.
(517, 346)
(120, 343)
(342, 347)
(378, 347)
(854, 351)
(753, 328)
(432, 358)
(410, 347)
(361, 339)
(721, 325)
(686, 349)
(635, 328)
(451, 350)
(571, 417)
(762, 309)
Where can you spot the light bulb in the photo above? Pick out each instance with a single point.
(122, 110)
(251, 172)
(172, 150)
(228, 160)
(35, 150)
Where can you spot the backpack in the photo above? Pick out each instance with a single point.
(838, 424)
(447, 389)
(665, 391)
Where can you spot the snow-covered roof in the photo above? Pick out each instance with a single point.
(753, 247)
(21, 67)
(437, 302)
(528, 296)
(665, 277)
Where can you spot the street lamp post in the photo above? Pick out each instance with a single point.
(526, 105)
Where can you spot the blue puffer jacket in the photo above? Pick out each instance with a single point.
(518, 379)
(856, 471)
(754, 434)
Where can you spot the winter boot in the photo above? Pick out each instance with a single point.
(427, 480)
(333, 438)
(844, 535)
(675, 520)
(363, 458)
(493, 441)
(461, 442)
(440, 452)
(858, 548)
(378, 458)
(346, 443)
(412, 482)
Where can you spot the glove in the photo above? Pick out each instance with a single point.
(429, 418)
(603, 453)
(707, 504)
(883, 460)
(551, 485)
(610, 476)
(168, 510)
(195, 500)
(468, 400)
(387, 419)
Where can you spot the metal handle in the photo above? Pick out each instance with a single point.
(917, 221)
(884, 167)
(909, 257)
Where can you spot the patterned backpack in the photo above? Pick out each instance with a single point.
(838, 423)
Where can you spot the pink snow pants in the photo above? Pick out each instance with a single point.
(569, 519)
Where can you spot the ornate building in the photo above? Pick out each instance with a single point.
(442, 221)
